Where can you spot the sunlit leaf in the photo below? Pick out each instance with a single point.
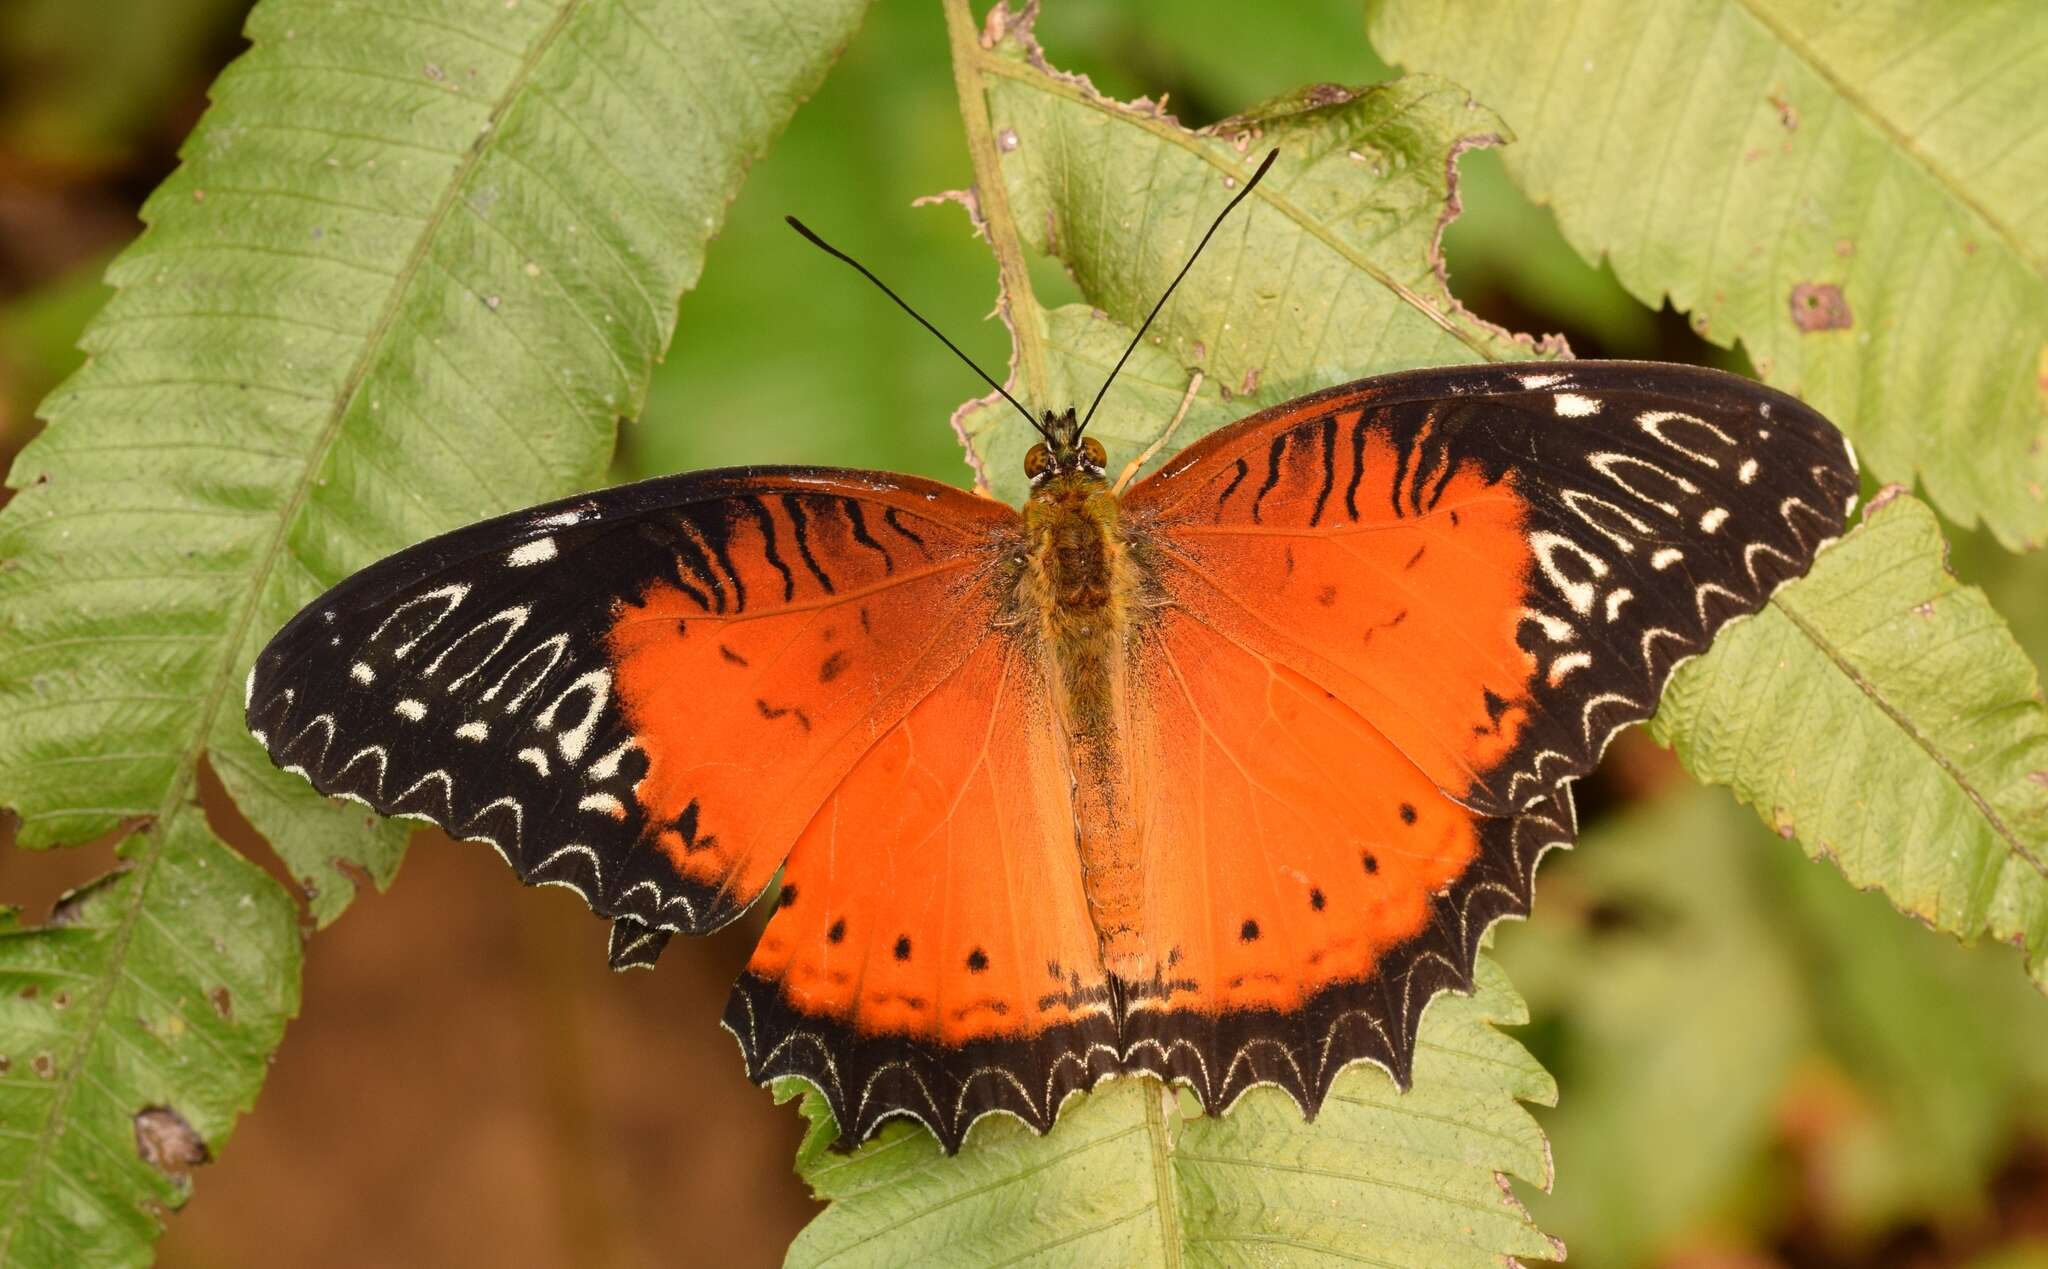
(1851, 192)
(1879, 711)
(1695, 981)
(1329, 272)
(417, 263)
(1135, 1175)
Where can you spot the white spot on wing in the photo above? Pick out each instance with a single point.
(1566, 664)
(1666, 558)
(410, 709)
(1616, 600)
(1571, 405)
(1533, 382)
(1713, 519)
(1578, 594)
(1557, 628)
(596, 686)
(608, 766)
(1573, 498)
(513, 618)
(538, 757)
(538, 551)
(1746, 472)
(1606, 464)
(1653, 422)
(451, 595)
(362, 673)
(473, 731)
(554, 646)
(604, 803)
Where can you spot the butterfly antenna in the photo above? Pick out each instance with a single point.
(903, 304)
(1194, 256)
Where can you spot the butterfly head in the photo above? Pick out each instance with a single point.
(1064, 451)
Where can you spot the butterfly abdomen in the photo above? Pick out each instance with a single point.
(1083, 582)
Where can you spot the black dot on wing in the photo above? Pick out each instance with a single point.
(1316, 900)
(902, 947)
(1371, 864)
(838, 931)
(1249, 931)
(1407, 813)
(787, 897)
(977, 960)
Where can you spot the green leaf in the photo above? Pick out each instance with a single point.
(1681, 1018)
(1135, 1175)
(1853, 195)
(133, 1029)
(1695, 981)
(1328, 273)
(1880, 711)
(416, 264)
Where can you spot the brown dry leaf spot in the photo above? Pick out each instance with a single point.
(1820, 306)
(167, 1143)
(1788, 114)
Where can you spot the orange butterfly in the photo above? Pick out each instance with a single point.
(1219, 777)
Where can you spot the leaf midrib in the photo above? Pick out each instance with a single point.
(143, 868)
(1905, 144)
(1159, 1140)
(1904, 724)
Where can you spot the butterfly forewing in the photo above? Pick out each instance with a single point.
(641, 694)
(1500, 566)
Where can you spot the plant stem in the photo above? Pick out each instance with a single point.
(1018, 304)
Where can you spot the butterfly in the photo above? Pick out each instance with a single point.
(1218, 776)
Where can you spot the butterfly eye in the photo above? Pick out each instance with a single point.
(1037, 462)
(1092, 453)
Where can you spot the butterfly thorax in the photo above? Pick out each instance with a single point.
(1085, 580)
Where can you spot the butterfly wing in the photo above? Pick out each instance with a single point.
(658, 695)
(1499, 566)
(642, 694)
(1312, 889)
(1396, 619)
(931, 953)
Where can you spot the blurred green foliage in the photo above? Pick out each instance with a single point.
(1753, 1059)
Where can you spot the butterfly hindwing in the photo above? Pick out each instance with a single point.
(931, 952)
(641, 694)
(1309, 889)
